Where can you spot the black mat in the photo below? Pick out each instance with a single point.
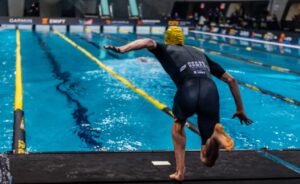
(290, 156)
(241, 166)
(5, 176)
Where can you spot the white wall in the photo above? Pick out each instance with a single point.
(50, 8)
(16, 8)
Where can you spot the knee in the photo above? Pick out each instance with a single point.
(178, 127)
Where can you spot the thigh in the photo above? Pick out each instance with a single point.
(185, 102)
(208, 111)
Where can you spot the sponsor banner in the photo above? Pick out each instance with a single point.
(120, 22)
(244, 33)
(16, 20)
(257, 35)
(20, 21)
(54, 21)
(149, 22)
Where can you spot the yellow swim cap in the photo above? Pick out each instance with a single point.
(174, 36)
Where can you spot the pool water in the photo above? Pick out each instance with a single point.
(71, 104)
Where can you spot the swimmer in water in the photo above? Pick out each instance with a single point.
(146, 60)
(191, 70)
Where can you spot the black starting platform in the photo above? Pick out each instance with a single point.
(249, 166)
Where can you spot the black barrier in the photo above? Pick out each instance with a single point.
(19, 132)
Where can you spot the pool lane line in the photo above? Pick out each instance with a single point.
(270, 93)
(247, 48)
(19, 146)
(251, 61)
(278, 160)
(131, 86)
(247, 85)
(249, 39)
(79, 113)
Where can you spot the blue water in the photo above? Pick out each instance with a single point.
(7, 78)
(257, 47)
(71, 104)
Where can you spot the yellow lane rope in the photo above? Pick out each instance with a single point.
(19, 145)
(18, 80)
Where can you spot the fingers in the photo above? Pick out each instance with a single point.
(248, 121)
(108, 46)
(111, 47)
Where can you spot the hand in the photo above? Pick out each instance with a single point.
(243, 117)
(113, 48)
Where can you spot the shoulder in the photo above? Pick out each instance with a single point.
(158, 47)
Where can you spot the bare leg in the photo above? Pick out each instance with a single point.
(210, 151)
(179, 141)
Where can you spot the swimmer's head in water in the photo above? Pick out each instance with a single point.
(174, 36)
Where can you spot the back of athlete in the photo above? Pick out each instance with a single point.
(199, 96)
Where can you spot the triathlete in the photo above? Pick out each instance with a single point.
(191, 71)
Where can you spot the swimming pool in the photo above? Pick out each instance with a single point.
(71, 104)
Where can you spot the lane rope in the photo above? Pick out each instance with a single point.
(19, 146)
(248, 39)
(248, 48)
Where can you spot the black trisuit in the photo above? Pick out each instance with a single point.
(196, 92)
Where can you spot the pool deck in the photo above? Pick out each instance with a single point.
(136, 167)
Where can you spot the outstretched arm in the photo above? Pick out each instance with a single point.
(135, 45)
(233, 85)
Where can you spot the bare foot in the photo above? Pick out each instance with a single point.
(173, 175)
(223, 138)
(178, 176)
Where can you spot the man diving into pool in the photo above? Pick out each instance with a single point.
(191, 71)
